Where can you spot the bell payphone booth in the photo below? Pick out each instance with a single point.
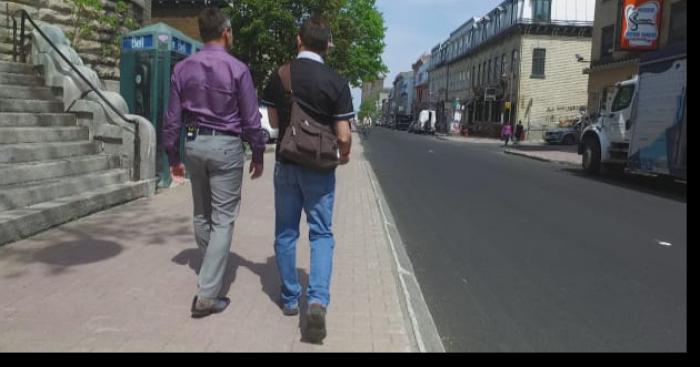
(147, 61)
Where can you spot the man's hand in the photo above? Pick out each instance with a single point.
(256, 170)
(344, 159)
(178, 173)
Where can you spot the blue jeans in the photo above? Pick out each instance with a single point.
(297, 189)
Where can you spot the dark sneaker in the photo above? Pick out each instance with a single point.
(316, 325)
(205, 307)
(290, 311)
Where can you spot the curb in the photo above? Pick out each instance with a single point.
(416, 311)
(521, 154)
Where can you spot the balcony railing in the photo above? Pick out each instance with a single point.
(524, 21)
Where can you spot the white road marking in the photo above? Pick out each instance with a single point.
(662, 243)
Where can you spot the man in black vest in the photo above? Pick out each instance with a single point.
(326, 97)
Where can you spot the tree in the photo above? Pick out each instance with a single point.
(265, 33)
(367, 109)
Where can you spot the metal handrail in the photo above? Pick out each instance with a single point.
(25, 16)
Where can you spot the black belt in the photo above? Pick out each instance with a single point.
(212, 132)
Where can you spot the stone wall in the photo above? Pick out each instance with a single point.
(60, 13)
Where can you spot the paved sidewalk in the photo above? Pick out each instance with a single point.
(480, 140)
(123, 280)
(469, 139)
(561, 154)
(533, 149)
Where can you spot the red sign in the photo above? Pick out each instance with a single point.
(640, 24)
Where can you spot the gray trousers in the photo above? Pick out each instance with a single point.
(215, 165)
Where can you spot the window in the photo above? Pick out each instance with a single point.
(623, 99)
(495, 68)
(490, 74)
(503, 64)
(478, 76)
(474, 76)
(678, 31)
(542, 10)
(483, 77)
(607, 41)
(538, 62)
(515, 62)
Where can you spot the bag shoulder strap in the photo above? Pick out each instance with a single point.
(285, 74)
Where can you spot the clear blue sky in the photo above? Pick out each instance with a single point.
(416, 26)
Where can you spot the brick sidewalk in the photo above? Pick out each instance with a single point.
(123, 280)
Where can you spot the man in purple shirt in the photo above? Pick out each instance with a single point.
(213, 97)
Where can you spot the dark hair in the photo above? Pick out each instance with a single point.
(212, 22)
(315, 34)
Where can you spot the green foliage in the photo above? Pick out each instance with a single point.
(265, 35)
(88, 13)
(119, 22)
(368, 109)
(83, 11)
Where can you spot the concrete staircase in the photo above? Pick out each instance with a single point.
(51, 171)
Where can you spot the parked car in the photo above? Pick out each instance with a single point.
(271, 135)
(565, 135)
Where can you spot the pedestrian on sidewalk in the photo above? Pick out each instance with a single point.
(214, 94)
(519, 131)
(506, 133)
(306, 85)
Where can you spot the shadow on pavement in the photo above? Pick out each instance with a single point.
(267, 272)
(659, 186)
(81, 249)
(79, 252)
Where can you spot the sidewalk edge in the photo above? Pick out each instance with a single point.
(415, 309)
(521, 154)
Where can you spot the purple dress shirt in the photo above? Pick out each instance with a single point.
(216, 90)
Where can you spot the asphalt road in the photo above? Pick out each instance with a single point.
(524, 256)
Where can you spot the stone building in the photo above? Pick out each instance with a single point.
(517, 62)
(92, 48)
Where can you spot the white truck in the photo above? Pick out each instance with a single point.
(427, 119)
(643, 124)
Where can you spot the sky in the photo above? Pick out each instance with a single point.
(416, 26)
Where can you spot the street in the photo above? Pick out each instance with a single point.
(516, 255)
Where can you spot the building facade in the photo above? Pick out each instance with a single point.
(421, 84)
(437, 84)
(404, 92)
(517, 62)
(610, 63)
